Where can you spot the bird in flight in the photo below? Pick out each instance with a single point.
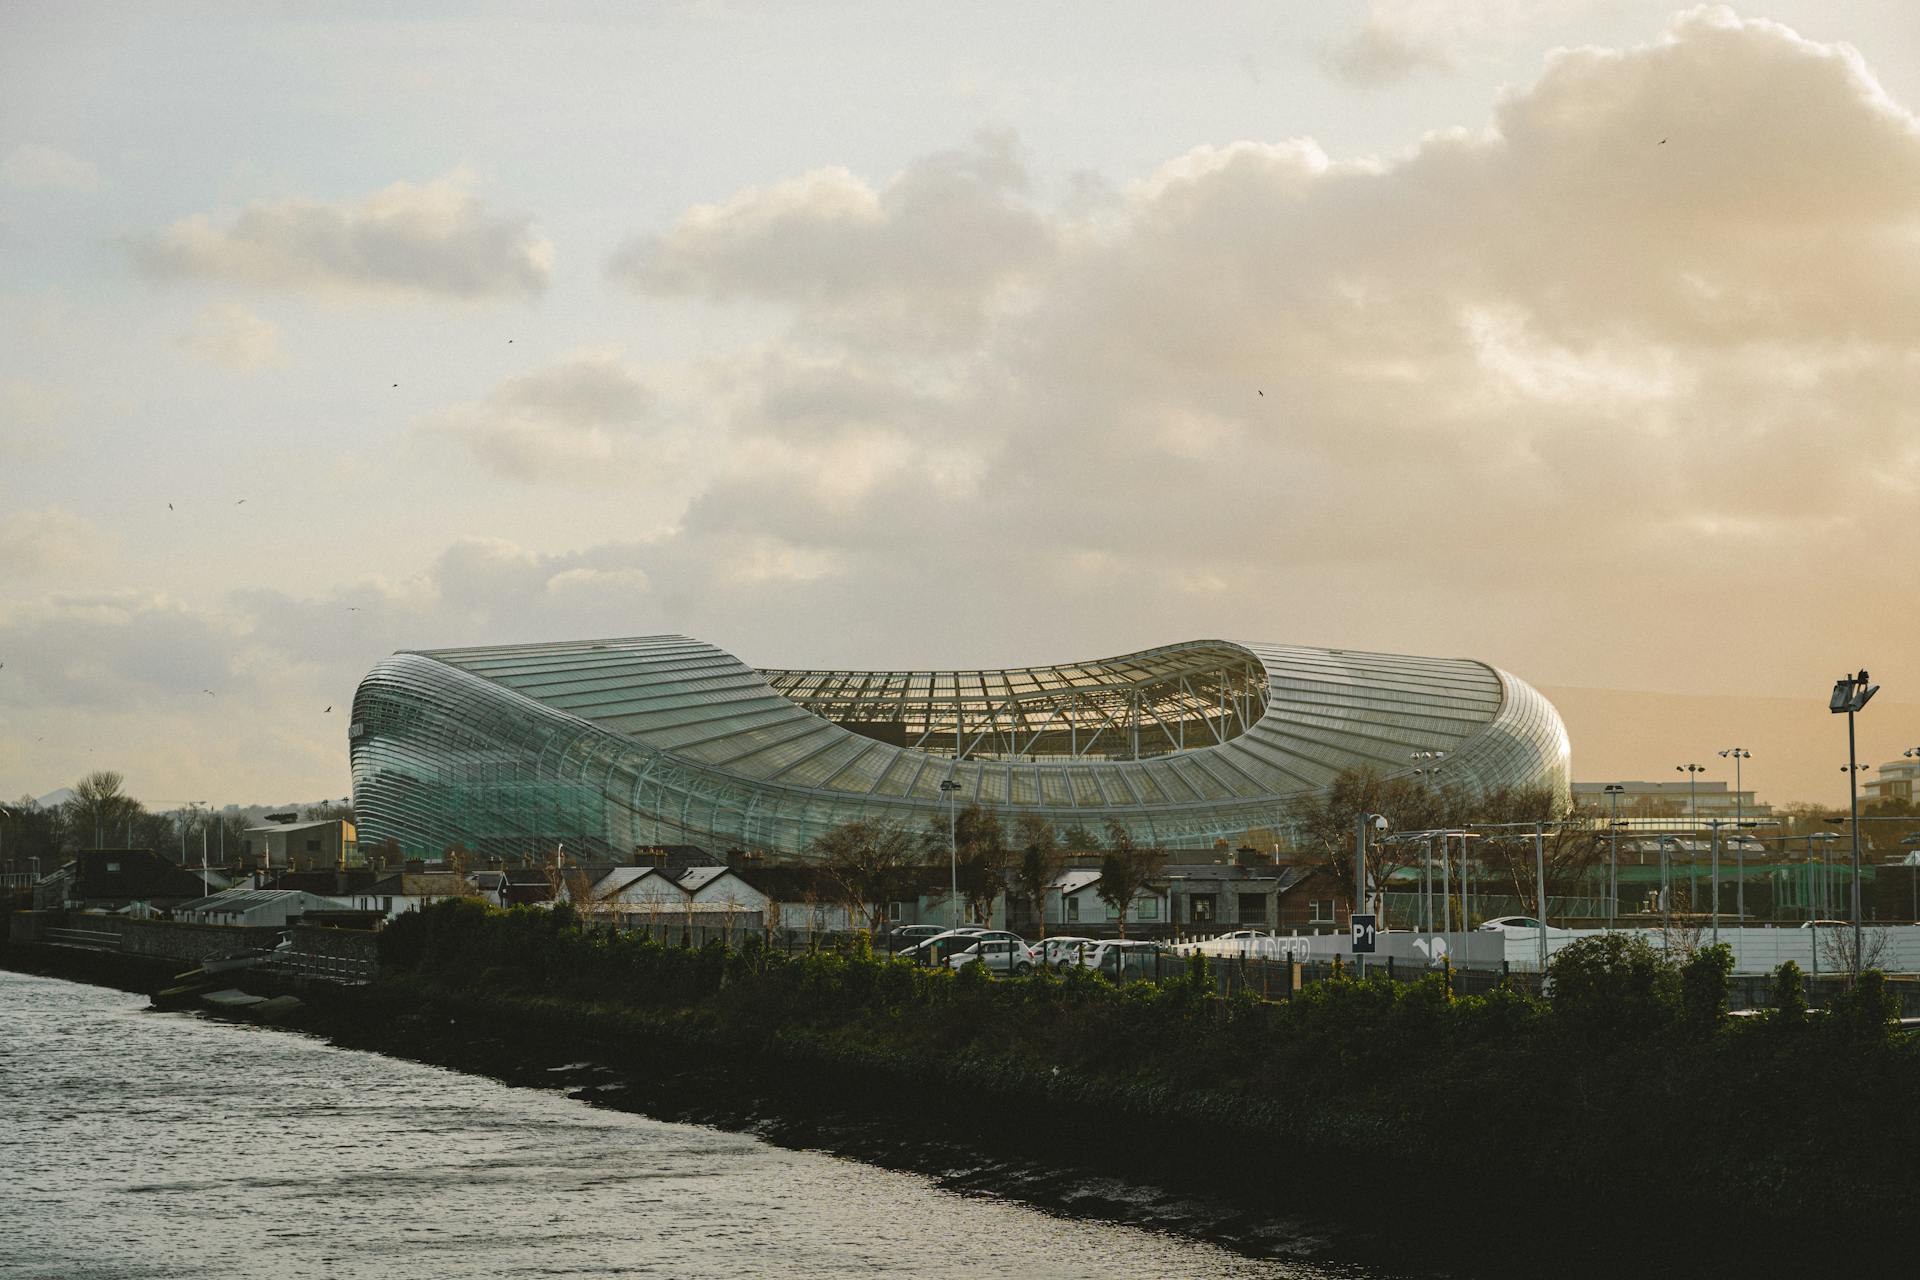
(169, 506)
(208, 692)
(1263, 393)
(1663, 142)
(241, 503)
(327, 711)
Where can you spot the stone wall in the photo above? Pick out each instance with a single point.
(146, 939)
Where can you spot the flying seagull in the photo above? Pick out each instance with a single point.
(208, 692)
(241, 503)
(169, 506)
(327, 711)
(1663, 142)
(1263, 393)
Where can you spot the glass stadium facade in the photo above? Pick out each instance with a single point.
(611, 745)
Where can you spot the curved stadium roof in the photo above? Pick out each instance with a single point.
(613, 744)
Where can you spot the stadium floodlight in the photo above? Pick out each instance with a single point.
(1850, 694)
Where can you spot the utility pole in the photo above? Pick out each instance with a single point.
(1540, 888)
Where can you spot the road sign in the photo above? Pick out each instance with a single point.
(1364, 932)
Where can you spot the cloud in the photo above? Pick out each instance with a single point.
(587, 419)
(1382, 53)
(33, 167)
(230, 335)
(921, 258)
(1481, 362)
(31, 415)
(432, 240)
(48, 541)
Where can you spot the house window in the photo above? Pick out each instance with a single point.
(1146, 909)
(1203, 905)
(1073, 908)
(895, 910)
(113, 866)
(1253, 908)
(1322, 911)
(313, 846)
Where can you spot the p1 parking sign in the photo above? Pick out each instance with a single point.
(1365, 931)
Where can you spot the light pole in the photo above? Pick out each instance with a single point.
(952, 789)
(1693, 772)
(1614, 791)
(1666, 893)
(1379, 823)
(1737, 754)
(1850, 695)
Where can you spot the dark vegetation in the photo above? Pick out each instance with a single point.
(1630, 1103)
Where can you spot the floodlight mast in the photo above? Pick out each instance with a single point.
(1850, 694)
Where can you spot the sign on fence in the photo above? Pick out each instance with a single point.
(1364, 934)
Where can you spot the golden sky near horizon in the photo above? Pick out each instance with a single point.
(1579, 337)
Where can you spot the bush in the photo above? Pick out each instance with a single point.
(1613, 985)
(1703, 988)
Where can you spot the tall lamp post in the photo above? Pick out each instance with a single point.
(1613, 790)
(1737, 754)
(952, 789)
(1426, 767)
(1851, 694)
(1693, 772)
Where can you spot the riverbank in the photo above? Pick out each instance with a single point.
(1629, 1121)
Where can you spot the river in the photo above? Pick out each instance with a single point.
(148, 1145)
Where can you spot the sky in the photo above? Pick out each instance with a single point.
(1576, 337)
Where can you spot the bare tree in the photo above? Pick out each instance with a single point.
(1836, 947)
(100, 806)
(867, 861)
(1040, 864)
(1126, 869)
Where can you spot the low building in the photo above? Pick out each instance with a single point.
(1897, 783)
(254, 907)
(1662, 803)
(114, 879)
(395, 895)
(302, 846)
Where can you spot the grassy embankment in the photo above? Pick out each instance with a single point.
(1630, 1103)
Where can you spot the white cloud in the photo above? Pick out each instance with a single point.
(921, 259)
(48, 541)
(234, 337)
(31, 414)
(431, 240)
(34, 167)
(588, 419)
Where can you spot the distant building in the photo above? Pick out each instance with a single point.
(302, 846)
(111, 879)
(406, 891)
(254, 907)
(1896, 783)
(1668, 804)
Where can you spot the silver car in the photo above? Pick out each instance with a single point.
(1005, 956)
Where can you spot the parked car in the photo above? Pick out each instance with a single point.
(1004, 956)
(1511, 924)
(1823, 924)
(912, 935)
(936, 949)
(1062, 954)
(1124, 958)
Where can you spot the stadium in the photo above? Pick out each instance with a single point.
(609, 746)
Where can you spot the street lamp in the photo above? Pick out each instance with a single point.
(1693, 771)
(952, 789)
(1614, 791)
(1851, 694)
(1737, 754)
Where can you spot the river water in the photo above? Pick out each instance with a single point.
(141, 1144)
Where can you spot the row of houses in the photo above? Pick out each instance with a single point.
(1189, 897)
